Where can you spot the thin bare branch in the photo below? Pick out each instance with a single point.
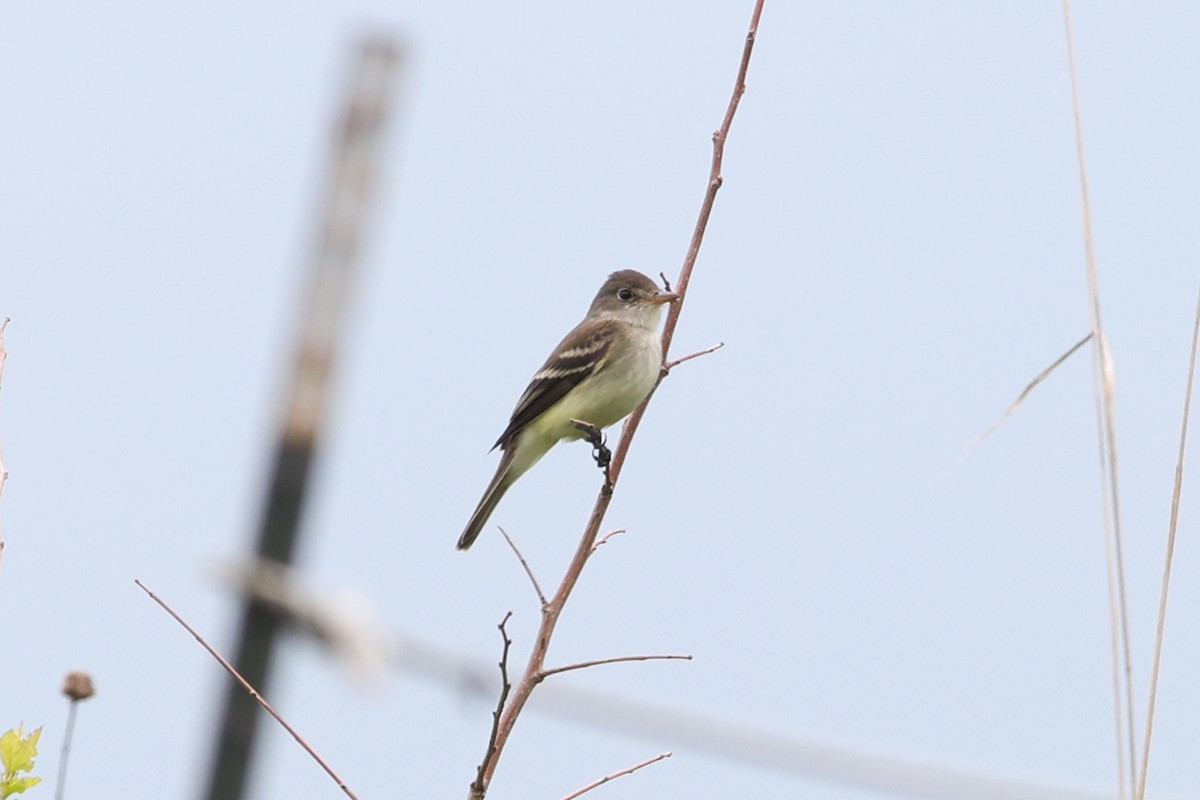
(525, 565)
(715, 180)
(1176, 493)
(672, 364)
(477, 786)
(3, 471)
(617, 774)
(550, 614)
(1041, 376)
(734, 740)
(604, 539)
(262, 701)
(546, 673)
(1106, 430)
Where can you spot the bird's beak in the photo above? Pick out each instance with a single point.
(663, 297)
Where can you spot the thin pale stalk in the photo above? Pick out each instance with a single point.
(1106, 422)
(68, 735)
(1176, 493)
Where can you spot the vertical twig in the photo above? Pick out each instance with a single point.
(354, 169)
(550, 613)
(1176, 493)
(505, 688)
(65, 753)
(3, 470)
(1107, 436)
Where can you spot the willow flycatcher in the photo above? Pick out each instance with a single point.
(599, 373)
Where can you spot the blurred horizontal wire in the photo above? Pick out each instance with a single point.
(346, 624)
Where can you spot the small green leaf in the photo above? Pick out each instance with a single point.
(17, 752)
(17, 785)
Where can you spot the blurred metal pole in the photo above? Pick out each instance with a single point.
(354, 169)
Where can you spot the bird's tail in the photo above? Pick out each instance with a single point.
(491, 496)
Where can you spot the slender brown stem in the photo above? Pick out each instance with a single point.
(670, 365)
(505, 687)
(535, 669)
(262, 701)
(617, 774)
(546, 673)
(604, 539)
(550, 613)
(525, 565)
(714, 181)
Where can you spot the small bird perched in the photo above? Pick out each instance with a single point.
(598, 374)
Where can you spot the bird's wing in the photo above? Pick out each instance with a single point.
(582, 353)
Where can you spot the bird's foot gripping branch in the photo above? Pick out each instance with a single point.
(595, 437)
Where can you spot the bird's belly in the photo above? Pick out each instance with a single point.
(606, 397)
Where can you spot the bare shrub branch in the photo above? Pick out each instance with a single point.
(534, 669)
(505, 687)
(670, 365)
(617, 774)
(525, 565)
(546, 673)
(262, 701)
(604, 539)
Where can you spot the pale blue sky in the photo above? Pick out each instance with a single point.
(897, 250)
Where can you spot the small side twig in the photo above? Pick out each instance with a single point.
(477, 785)
(525, 564)
(1029, 387)
(262, 701)
(546, 673)
(606, 537)
(617, 774)
(666, 281)
(670, 365)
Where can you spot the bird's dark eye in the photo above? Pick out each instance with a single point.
(625, 294)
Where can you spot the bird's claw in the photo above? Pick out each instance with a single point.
(595, 437)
